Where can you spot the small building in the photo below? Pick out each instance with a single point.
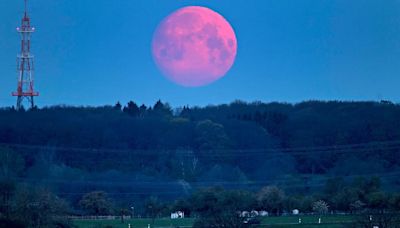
(178, 215)
(252, 214)
(244, 214)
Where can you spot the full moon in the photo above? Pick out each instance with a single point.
(194, 46)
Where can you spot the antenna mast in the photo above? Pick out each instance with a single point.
(26, 4)
(25, 67)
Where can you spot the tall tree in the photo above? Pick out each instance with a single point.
(38, 207)
(271, 198)
(132, 109)
(96, 203)
(153, 208)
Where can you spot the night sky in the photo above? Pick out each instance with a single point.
(99, 52)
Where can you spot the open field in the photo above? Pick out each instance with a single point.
(335, 221)
(135, 223)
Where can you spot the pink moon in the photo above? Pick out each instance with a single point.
(194, 46)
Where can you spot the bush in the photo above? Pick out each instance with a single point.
(320, 207)
(7, 223)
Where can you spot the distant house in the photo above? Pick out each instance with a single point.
(244, 214)
(253, 213)
(177, 215)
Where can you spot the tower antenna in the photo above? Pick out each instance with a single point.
(26, 7)
(25, 67)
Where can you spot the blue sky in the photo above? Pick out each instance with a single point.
(98, 52)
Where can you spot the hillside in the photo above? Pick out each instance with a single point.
(169, 152)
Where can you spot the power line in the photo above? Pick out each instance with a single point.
(342, 149)
(127, 160)
(293, 151)
(386, 175)
(160, 192)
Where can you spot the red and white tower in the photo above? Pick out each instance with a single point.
(25, 67)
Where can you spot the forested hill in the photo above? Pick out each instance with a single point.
(236, 143)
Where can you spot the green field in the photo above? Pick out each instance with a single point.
(135, 223)
(334, 221)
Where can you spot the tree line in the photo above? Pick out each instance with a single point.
(133, 152)
(24, 205)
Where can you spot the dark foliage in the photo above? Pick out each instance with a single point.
(7, 223)
(150, 150)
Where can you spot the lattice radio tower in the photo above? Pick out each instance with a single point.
(25, 67)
